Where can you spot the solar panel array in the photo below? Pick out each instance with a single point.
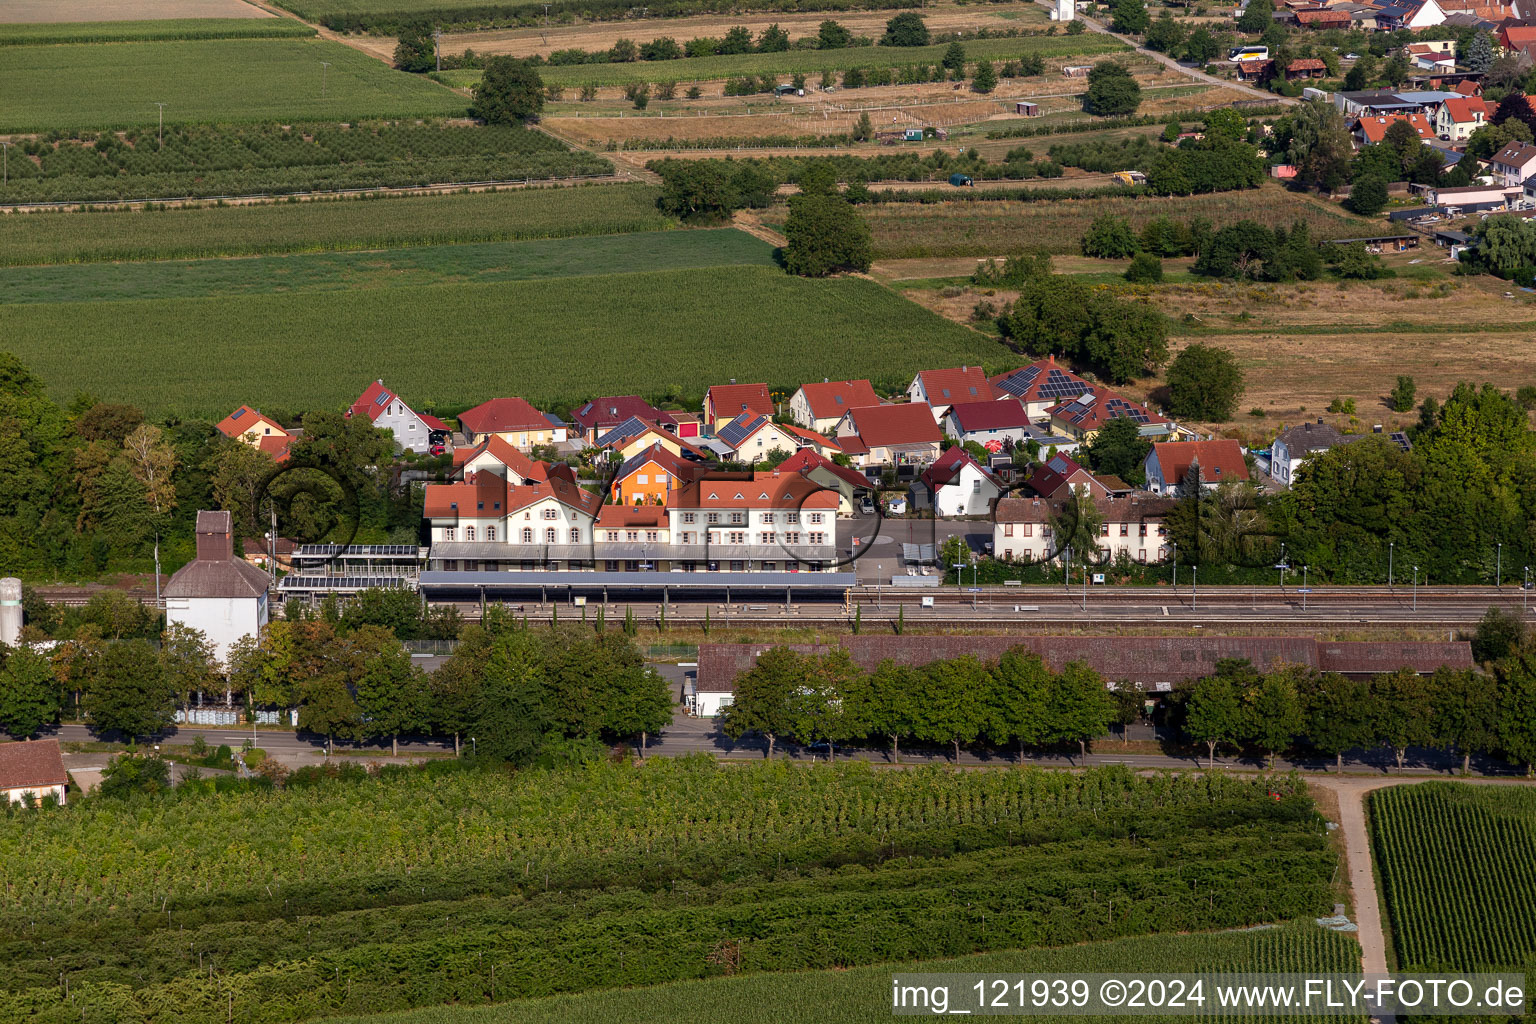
(1018, 383)
(308, 582)
(1060, 385)
(737, 432)
(357, 550)
(1120, 407)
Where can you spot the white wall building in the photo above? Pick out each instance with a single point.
(32, 768)
(223, 596)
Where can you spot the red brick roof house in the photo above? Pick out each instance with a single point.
(956, 485)
(904, 434)
(603, 414)
(941, 389)
(724, 402)
(388, 411)
(818, 407)
(850, 484)
(518, 423)
(1060, 475)
(250, 427)
(1327, 17)
(1041, 385)
(1170, 464)
(32, 769)
(989, 424)
(1085, 416)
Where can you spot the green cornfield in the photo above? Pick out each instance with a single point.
(861, 995)
(377, 222)
(50, 33)
(99, 86)
(1458, 870)
(808, 62)
(272, 159)
(555, 342)
(980, 228)
(450, 886)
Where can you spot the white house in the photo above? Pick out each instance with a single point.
(1295, 444)
(489, 524)
(1134, 529)
(224, 596)
(32, 768)
(387, 411)
(941, 389)
(1513, 164)
(1458, 117)
(818, 407)
(989, 423)
(751, 437)
(1171, 464)
(956, 485)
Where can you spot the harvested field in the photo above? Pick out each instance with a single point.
(35, 11)
(984, 228)
(117, 86)
(172, 29)
(525, 42)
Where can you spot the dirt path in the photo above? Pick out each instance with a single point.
(748, 221)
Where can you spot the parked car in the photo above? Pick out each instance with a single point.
(866, 507)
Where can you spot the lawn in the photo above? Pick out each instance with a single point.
(862, 995)
(659, 334)
(327, 225)
(983, 228)
(97, 86)
(40, 34)
(1458, 871)
(808, 62)
(394, 268)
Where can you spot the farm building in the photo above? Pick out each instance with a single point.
(32, 769)
(1077, 70)
(221, 595)
(1026, 109)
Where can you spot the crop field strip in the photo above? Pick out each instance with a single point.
(327, 225)
(808, 62)
(204, 161)
(984, 228)
(861, 995)
(653, 334)
(170, 29)
(393, 268)
(289, 905)
(1458, 870)
(117, 85)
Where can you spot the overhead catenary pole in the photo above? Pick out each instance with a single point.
(1390, 545)
(162, 123)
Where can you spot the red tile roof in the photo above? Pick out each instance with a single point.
(503, 453)
(960, 384)
(239, 422)
(1308, 63)
(769, 489)
(810, 437)
(31, 763)
(604, 413)
(1466, 109)
(373, 401)
(1003, 414)
(1100, 405)
(485, 497)
(830, 399)
(617, 517)
(1467, 87)
(1055, 473)
(680, 468)
(1374, 128)
(1042, 380)
(1220, 460)
(275, 445)
(908, 423)
(503, 414)
(731, 400)
(432, 422)
(647, 427)
(806, 460)
(949, 465)
(1323, 17)
(561, 489)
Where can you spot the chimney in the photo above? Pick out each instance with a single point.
(214, 541)
(733, 380)
(1376, 428)
(1319, 421)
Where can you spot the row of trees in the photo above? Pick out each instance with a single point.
(1461, 711)
(827, 699)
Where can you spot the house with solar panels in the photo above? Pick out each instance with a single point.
(1041, 386)
(751, 436)
(386, 410)
(1084, 416)
(601, 415)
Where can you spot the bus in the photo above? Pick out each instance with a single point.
(1248, 53)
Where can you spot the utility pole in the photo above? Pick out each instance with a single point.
(1085, 586)
(162, 123)
(1390, 545)
(6, 146)
(1175, 565)
(1194, 588)
(325, 66)
(1066, 581)
(1525, 593)
(1415, 588)
(1305, 589)
(437, 45)
(1498, 567)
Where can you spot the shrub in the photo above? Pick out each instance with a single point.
(1110, 238)
(1145, 268)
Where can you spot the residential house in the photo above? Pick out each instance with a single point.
(1513, 164)
(818, 407)
(1473, 198)
(1040, 386)
(940, 389)
(1264, 70)
(724, 402)
(769, 521)
(601, 415)
(636, 435)
(632, 538)
(1173, 464)
(1083, 417)
(1513, 38)
(851, 485)
(1471, 86)
(1372, 129)
(819, 443)
(517, 422)
(751, 437)
(1295, 444)
(646, 477)
(248, 426)
(224, 596)
(891, 435)
(489, 524)
(1134, 529)
(1321, 17)
(989, 424)
(1437, 55)
(1059, 476)
(387, 411)
(956, 485)
(1412, 14)
(32, 770)
(495, 456)
(1456, 119)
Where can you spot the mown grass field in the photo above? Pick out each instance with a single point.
(808, 62)
(553, 342)
(1458, 870)
(327, 225)
(862, 995)
(983, 228)
(98, 86)
(41, 34)
(394, 268)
